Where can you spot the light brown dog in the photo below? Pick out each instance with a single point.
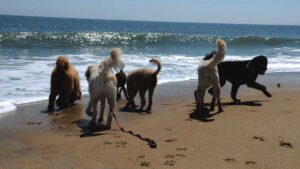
(103, 87)
(208, 76)
(65, 83)
(142, 80)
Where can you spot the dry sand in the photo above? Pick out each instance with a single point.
(258, 133)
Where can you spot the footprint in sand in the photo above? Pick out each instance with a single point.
(180, 155)
(140, 157)
(230, 160)
(107, 143)
(250, 162)
(34, 123)
(259, 138)
(170, 162)
(58, 127)
(116, 136)
(181, 149)
(171, 140)
(285, 144)
(72, 135)
(145, 163)
(169, 156)
(169, 129)
(121, 144)
(189, 119)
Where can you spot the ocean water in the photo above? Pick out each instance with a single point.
(29, 47)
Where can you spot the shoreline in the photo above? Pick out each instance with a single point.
(260, 132)
(274, 76)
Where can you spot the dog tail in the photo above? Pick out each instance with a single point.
(89, 71)
(157, 62)
(220, 55)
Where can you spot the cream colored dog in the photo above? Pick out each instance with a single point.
(208, 76)
(103, 86)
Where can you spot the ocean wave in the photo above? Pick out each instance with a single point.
(7, 106)
(16, 82)
(29, 39)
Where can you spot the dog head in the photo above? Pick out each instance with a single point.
(62, 63)
(258, 64)
(210, 55)
(116, 59)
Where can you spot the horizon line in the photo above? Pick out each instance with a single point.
(190, 22)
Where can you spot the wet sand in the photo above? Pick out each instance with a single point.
(260, 132)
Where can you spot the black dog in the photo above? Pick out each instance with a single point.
(242, 72)
(121, 81)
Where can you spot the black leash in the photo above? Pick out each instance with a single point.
(151, 142)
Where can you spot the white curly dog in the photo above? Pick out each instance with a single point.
(103, 86)
(208, 76)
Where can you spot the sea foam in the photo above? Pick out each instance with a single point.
(28, 80)
(7, 106)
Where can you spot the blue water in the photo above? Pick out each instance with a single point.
(30, 45)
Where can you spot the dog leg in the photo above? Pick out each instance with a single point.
(88, 110)
(217, 95)
(201, 94)
(62, 102)
(94, 113)
(52, 98)
(234, 90)
(150, 95)
(260, 87)
(125, 92)
(109, 118)
(211, 91)
(142, 94)
(195, 95)
(102, 110)
(119, 93)
(212, 104)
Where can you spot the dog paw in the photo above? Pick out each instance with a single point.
(89, 113)
(50, 109)
(100, 120)
(268, 94)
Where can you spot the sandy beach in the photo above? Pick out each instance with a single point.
(260, 132)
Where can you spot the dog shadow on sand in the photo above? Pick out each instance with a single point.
(246, 103)
(136, 111)
(207, 116)
(203, 116)
(87, 130)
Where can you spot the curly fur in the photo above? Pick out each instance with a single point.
(142, 80)
(103, 86)
(65, 83)
(208, 76)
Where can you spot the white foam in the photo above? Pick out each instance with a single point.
(26, 81)
(7, 106)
